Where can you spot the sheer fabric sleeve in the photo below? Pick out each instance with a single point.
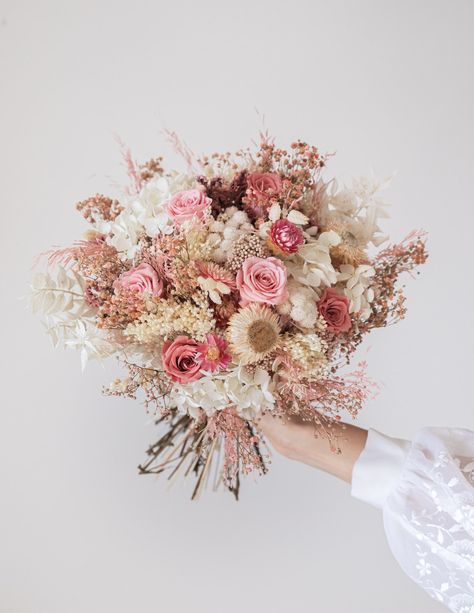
(426, 492)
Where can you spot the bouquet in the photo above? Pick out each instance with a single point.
(239, 287)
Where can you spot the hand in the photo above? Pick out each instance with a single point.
(296, 440)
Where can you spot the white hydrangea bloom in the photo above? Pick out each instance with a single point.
(249, 393)
(124, 232)
(301, 304)
(146, 212)
(312, 264)
(207, 393)
(357, 288)
(358, 207)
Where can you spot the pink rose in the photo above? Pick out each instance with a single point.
(285, 237)
(264, 185)
(262, 280)
(188, 204)
(334, 307)
(181, 359)
(142, 278)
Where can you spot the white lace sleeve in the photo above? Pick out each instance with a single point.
(426, 492)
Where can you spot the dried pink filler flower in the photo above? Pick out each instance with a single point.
(242, 446)
(213, 353)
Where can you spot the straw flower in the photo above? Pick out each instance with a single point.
(215, 280)
(254, 332)
(213, 353)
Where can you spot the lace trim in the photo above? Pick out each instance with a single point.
(439, 517)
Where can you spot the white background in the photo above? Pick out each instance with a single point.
(386, 84)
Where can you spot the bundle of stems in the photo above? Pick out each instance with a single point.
(188, 447)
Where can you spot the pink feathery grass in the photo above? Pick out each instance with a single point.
(182, 149)
(66, 255)
(132, 168)
(400, 249)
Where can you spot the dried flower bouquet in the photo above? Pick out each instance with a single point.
(236, 288)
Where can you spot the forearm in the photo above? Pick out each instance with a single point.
(296, 440)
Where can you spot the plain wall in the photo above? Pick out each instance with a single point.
(388, 86)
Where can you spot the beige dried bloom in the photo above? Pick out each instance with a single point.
(173, 316)
(307, 351)
(246, 246)
(254, 332)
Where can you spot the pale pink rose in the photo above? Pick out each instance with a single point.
(285, 237)
(262, 280)
(142, 278)
(264, 185)
(334, 308)
(182, 360)
(188, 204)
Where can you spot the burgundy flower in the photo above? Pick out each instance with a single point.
(285, 237)
(264, 185)
(262, 189)
(334, 308)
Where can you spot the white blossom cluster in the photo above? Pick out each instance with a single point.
(357, 288)
(225, 230)
(249, 393)
(145, 213)
(358, 207)
(312, 265)
(301, 305)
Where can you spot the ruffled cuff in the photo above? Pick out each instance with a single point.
(378, 468)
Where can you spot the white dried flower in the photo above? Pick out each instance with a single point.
(230, 225)
(89, 340)
(240, 218)
(213, 288)
(357, 288)
(250, 393)
(297, 218)
(312, 265)
(301, 305)
(359, 208)
(193, 317)
(230, 233)
(217, 226)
